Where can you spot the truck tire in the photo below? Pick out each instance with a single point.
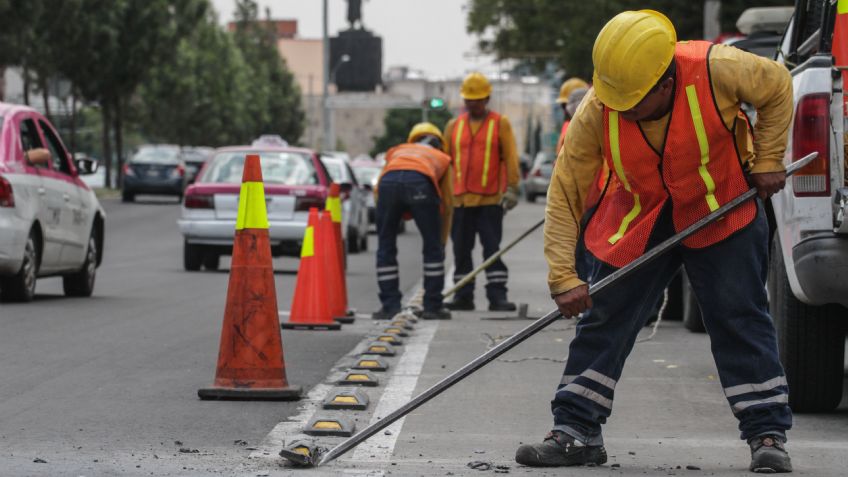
(192, 256)
(81, 283)
(674, 307)
(692, 318)
(20, 287)
(811, 340)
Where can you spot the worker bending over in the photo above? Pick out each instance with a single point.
(416, 180)
(665, 117)
(485, 185)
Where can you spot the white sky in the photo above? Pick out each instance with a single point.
(427, 35)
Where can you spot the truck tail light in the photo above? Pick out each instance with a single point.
(199, 201)
(303, 204)
(811, 132)
(7, 197)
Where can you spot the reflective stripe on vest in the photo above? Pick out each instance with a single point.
(458, 149)
(484, 181)
(619, 171)
(703, 145)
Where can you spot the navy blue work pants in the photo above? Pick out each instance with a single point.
(409, 191)
(487, 223)
(729, 282)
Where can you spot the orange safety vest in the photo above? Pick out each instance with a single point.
(476, 157)
(419, 158)
(699, 169)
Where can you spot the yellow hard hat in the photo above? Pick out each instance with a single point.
(631, 53)
(421, 129)
(568, 86)
(475, 86)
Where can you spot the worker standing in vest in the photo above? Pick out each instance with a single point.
(416, 180)
(665, 117)
(486, 174)
(568, 87)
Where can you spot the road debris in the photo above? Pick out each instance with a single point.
(479, 465)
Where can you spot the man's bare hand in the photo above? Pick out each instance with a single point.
(574, 301)
(768, 183)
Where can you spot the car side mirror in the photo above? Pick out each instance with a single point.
(39, 157)
(86, 165)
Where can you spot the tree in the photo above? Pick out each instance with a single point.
(200, 98)
(274, 97)
(563, 31)
(398, 122)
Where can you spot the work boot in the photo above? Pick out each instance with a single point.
(560, 450)
(768, 456)
(383, 314)
(460, 304)
(440, 314)
(501, 305)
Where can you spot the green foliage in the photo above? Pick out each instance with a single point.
(398, 123)
(273, 100)
(199, 97)
(563, 31)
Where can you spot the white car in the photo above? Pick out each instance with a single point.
(51, 223)
(354, 202)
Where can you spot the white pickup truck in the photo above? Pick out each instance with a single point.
(808, 273)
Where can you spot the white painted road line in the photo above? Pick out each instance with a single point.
(378, 449)
(292, 428)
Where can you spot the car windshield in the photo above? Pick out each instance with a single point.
(366, 175)
(286, 168)
(192, 155)
(158, 155)
(335, 170)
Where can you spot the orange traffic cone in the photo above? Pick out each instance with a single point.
(335, 274)
(311, 302)
(334, 206)
(250, 360)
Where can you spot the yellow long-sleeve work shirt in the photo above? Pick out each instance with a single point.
(737, 77)
(508, 153)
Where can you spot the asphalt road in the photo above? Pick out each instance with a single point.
(107, 385)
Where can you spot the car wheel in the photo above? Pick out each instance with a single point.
(692, 318)
(811, 340)
(20, 287)
(352, 240)
(211, 261)
(531, 197)
(81, 283)
(192, 256)
(127, 196)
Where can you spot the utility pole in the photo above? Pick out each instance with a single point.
(325, 96)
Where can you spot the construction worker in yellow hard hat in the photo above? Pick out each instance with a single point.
(416, 180)
(665, 117)
(568, 86)
(486, 174)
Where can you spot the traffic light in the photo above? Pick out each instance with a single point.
(437, 103)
